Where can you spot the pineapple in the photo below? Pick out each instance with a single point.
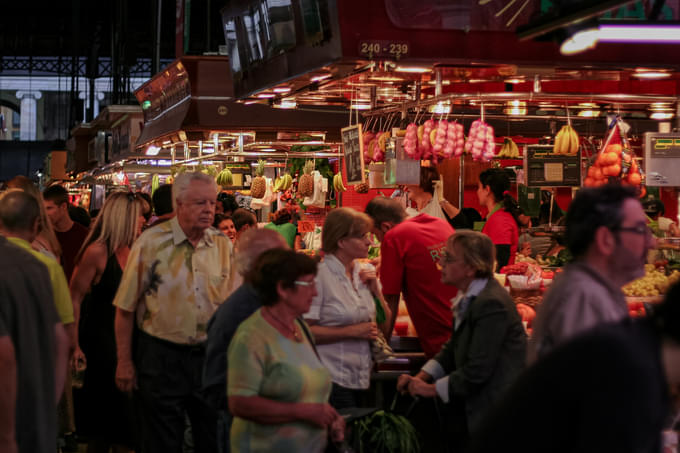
(259, 186)
(306, 184)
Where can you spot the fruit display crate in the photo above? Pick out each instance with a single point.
(644, 299)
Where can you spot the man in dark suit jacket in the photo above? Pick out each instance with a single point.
(487, 349)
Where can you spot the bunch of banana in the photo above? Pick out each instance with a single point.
(509, 149)
(283, 183)
(224, 178)
(566, 141)
(338, 184)
(155, 183)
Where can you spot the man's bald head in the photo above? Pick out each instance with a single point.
(252, 243)
(19, 211)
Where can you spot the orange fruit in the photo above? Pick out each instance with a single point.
(597, 173)
(615, 170)
(612, 158)
(588, 182)
(634, 179)
(616, 148)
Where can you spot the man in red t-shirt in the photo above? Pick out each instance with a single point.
(70, 234)
(409, 254)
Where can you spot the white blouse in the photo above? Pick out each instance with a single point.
(341, 302)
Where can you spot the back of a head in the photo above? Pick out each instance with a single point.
(253, 243)
(162, 200)
(116, 224)
(591, 209)
(243, 217)
(79, 215)
(383, 209)
(18, 211)
(24, 183)
(428, 175)
(56, 194)
(498, 181)
(228, 201)
(278, 266)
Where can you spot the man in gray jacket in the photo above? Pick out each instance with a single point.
(608, 235)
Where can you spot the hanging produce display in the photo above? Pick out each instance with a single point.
(411, 141)
(481, 141)
(155, 183)
(283, 183)
(566, 141)
(615, 162)
(258, 188)
(362, 187)
(509, 150)
(225, 178)
(338, 185)
(306, 182)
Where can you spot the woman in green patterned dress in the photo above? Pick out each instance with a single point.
(277, 387)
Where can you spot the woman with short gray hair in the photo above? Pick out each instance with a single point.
(487, 348)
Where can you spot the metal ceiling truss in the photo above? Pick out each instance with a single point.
(10, 65)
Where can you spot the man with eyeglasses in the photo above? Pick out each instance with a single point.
(607, 233)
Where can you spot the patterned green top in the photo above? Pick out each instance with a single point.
(262, 362)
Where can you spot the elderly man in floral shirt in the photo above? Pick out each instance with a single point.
(176, 275)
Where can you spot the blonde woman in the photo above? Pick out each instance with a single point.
(343, 314)
(46, 242)
(102, 412)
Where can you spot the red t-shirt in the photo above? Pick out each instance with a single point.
(70, 242)
(410, 252)
(502, 229)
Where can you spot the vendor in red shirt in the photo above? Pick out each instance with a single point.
(501, 223)
(409, 254)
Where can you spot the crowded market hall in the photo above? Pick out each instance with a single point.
(340, 226)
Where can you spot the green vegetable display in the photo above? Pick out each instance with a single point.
(384, 432)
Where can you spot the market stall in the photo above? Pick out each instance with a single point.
(456, 88)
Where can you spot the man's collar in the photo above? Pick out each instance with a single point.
(597, 275)
(178, 235)
(20, 242)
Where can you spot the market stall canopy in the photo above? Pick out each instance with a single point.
(363, 55)
(192, 98)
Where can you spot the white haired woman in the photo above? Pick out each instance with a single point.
(99, 268)
(343, 314)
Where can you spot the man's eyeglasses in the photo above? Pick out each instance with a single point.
(642, 230)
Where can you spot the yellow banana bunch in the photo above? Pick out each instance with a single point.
(509, 149)
(283, 183)
(566, 141)
(338, 184)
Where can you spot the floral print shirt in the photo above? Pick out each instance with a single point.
(173, 287)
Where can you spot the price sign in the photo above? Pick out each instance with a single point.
(353, 147)
(305, 226)
(543, 168)
(383, 49)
